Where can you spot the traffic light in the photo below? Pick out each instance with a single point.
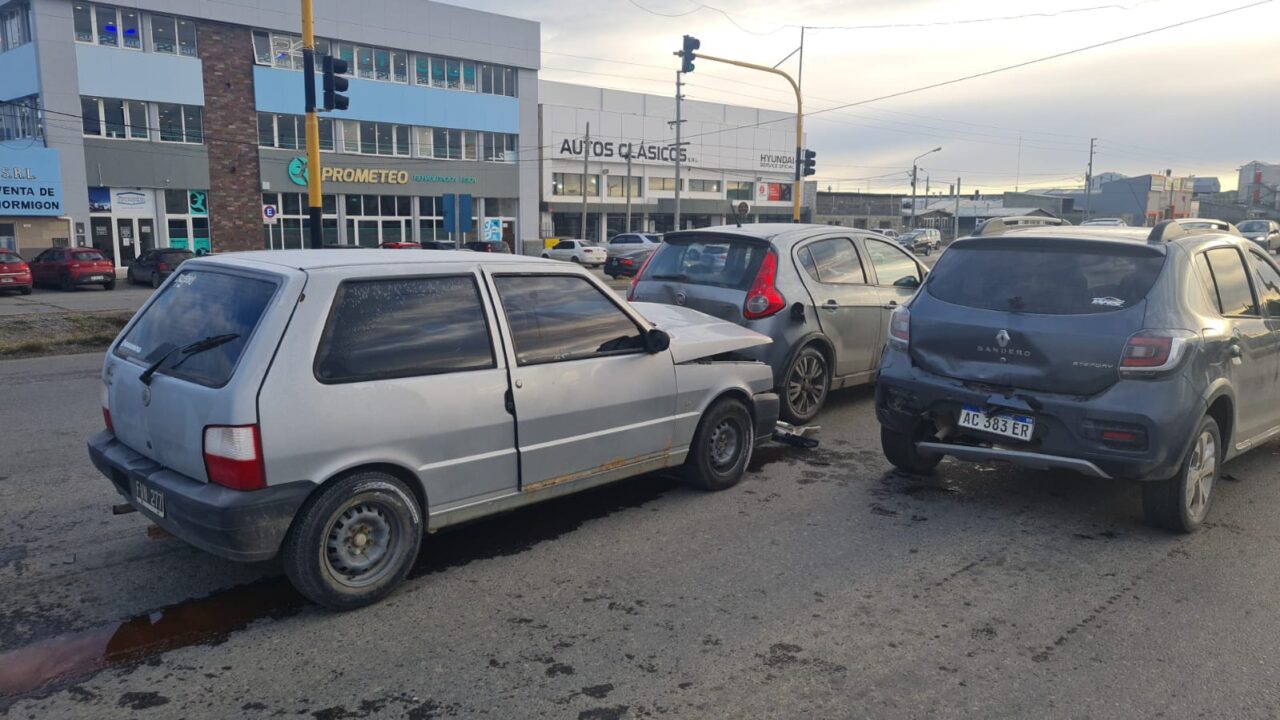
(687, 55)
(810, 160)
(334, 83)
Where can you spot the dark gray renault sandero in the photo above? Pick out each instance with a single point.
(1127, 353)
(822, 292)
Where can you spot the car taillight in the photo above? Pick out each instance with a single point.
(106, 410)
(627, 261)
(233, 456)
(631, 292)
(1154, 350)
(764, 299)
(162, 266)
(900, 329)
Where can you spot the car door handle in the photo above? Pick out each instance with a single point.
(1234, 350)
(831, 305)
(891, 305)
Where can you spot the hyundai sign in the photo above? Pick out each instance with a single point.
(30, 180)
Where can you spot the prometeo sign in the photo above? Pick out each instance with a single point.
(30, 181)
(297, 170)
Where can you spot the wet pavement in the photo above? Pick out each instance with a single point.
(824, 585)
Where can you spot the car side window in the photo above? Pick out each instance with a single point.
(833, 261)
(563, 245)
(555, 318)
(403, 327)
(893, 266)
(1231, 282)
(1268, 284)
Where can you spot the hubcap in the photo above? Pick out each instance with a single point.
(1200, 474)
(805, 387)
(362, 544)
(725, 441)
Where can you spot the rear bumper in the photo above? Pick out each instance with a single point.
(1068, 428)
(764, 410)
(241, 526)
(14, 280)
(93, 278)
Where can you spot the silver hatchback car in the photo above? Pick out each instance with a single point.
(823, 293)
(332, 406)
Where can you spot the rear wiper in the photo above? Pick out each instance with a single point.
(1016, 303)
(194, 348)
(671, 276)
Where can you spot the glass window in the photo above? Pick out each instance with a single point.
(497, 80)
(347, 52)
(170, 122)
(708, 260)
(369, 138)
(556, 318)
(261, 47)
(108, 30)
(566, 183)
(424, 141)
(833, 261)
(455, 144)
(322, 48)
(618, 188)
(82, 19)
(113, 117)
(404, 205)
(364, 63)
(193, 118)
(738, 190)
(381, 64)
(291, 204)
(1235, 297)
(387, 205)
(468, 75)
(402, 328)
(287, 132)
(1268, 284)
(510, 155)
(353, 205)
(282, 51)
(437, 71)
(137, 118)
(439, 143)
(509, 82)
(89, 116)
(187, 38)
(667, 184)
(401, 133)
(326, 133)
(486, 78)
(384, 138)
(175, 202)
(350, 136)
(488, 151)
(164, 36)
(422, 69)
(893, 266)
(399, 67)
(130, 29)
(469, 145)
(454, 72)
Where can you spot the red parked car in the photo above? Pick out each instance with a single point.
(68, 268)
(404, 244)
(14, 273)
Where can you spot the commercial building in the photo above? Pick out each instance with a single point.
(1258, 186)
(180, 124)
(734, 155)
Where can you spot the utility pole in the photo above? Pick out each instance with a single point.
(628, 181)
(1017, 179)
(679, 144)
(955, 232)
(314, 200)
(913, 196)
(1088, 181)
(586, 152)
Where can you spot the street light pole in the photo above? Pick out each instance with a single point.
(914, 171)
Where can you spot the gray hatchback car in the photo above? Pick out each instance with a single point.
(332, 406)
(1128, 353)
(823, 293)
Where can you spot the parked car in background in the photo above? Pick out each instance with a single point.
(154, 266)
(69, 268)
(887, 232)
(1120, 353)
(1106, 222)
(439, 245)
(577, 251)
(629, 262)
(1000, 225)
(1264, 232)
(623, 243)
(921, 240)
(822, 292)
(401, 245)
(487, 246)
(14, 273)
(218, 398)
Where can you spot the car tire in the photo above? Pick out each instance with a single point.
(155, 280)
(321, 556)
(109, 285)
(1181, 502)
(900, 450)
(546, 256)
(805, 386)
(25, 290)
(575, 260)
(67, 285)
(721, 447)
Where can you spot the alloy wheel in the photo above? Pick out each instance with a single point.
(1201, 470)
(806, 386)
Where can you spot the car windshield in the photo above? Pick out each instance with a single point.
(87, 255)
(708, 260)
(8, 257)
(199, 304)
(1253, 226)
(1064, 280)
(176, 256)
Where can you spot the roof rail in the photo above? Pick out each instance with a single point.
(1170, 230)
(1001, 225)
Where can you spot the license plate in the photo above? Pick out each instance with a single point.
(149, 498)
(6, 280)
(1018, 427)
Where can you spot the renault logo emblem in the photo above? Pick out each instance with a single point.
(1002, 338)
(681, 297)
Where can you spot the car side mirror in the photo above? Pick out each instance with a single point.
(656, 341)
(910, 281)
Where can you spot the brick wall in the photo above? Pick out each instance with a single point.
(231, 127)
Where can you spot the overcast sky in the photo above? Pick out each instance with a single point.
(1202, 99)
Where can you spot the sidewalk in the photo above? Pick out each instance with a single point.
(87, 299)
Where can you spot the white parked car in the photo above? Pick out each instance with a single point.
(624, 243)
(577, 251)
(1106, 222)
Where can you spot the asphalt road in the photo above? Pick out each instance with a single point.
(824, 585)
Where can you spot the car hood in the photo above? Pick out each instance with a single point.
(697, 335)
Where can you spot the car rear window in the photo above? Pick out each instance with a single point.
(199, 304)
(6, 257)
(1060, 279)
(87, 255)
(714, 261)
(1252, 226)
(176, 255)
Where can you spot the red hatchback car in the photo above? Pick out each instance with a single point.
(69, 268)
(14, 273)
